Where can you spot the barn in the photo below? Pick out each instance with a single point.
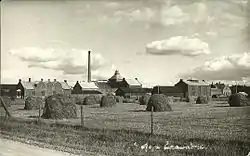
(194, 88)
(132, 92)
(168, 91)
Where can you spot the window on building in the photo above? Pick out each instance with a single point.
(33, 93)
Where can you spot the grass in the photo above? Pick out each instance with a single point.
(112, 131)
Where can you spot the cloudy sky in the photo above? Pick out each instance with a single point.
(155, 41)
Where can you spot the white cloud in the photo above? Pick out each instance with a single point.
(143, 14)
(234, 67)
(211, 33)
(34, 54)
(70, 62)
(178, 45)
(112, 4)
(168, 15)
(173, 15)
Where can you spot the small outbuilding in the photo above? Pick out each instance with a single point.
(86, 88)
(192, 89)
(9, 90)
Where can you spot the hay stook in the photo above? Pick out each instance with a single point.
(159, 103)
(91, 100)
(144, 99)
(202, 100)
(59, 107)
(33, 103)
(108, 101)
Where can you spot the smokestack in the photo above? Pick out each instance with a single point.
(89, 67)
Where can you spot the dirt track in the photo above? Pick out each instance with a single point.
(13, 148)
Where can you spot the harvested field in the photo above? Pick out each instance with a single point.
(220, 127)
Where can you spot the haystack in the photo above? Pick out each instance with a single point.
(202, 100)
(159, 103)
(33, 103)
(190, 99)
(59, 107)
(79, 100)
(108, 101)
(90, 100)
(7, 101)
(144, 99)
(119, 99)
(238, 100)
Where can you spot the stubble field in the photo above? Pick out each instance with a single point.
(221, 129)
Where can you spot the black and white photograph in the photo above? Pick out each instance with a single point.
(125, 78)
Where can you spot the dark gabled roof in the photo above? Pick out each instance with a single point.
(134, 90)
(91, 92)
(167, 89)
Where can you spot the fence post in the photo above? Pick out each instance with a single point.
(152, 122)
(39, 116)
(82, 118)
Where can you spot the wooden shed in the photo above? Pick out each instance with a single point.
(194, 88)
(9, 90)
(86, 88)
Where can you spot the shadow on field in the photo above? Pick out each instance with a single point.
(137, 111)
(22, 109)
(32, 116)
(95, 107)
(222, 106)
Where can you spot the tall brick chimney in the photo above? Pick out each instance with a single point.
(89, 67)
